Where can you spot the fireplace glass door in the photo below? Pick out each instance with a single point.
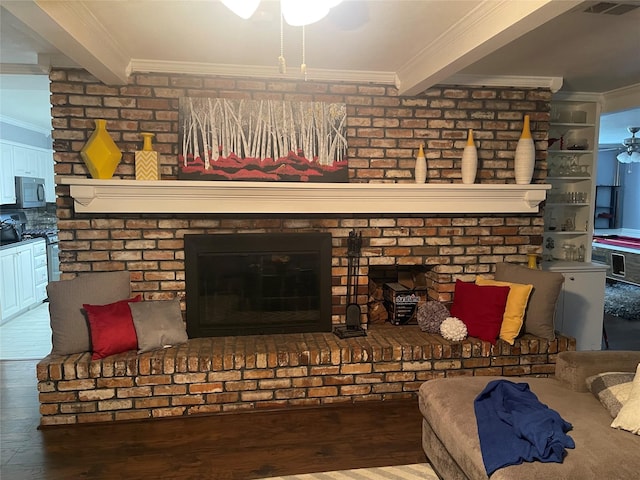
(246, 284)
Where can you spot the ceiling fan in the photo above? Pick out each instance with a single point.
(632, 147)
(630, 150)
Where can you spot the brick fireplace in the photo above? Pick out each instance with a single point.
(449, 230)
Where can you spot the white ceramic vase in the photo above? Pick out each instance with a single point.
(525, 157)
(469, 160)
(421, 167)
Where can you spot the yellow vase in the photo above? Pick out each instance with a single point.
(101, 155)
(147, 160)
(146, 139)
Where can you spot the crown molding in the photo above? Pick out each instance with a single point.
(624, 98)
(253, 71)
(354, 76)
(579, 97)
(28, 126)
(23, 69)
(522, 81)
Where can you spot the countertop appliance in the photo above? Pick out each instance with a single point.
(12, 226)
(30, 192)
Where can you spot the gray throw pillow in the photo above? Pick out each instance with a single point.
(69, 330)
(538, 318)
(612, 389)
(158, 324)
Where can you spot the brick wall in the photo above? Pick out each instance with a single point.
(384, 133)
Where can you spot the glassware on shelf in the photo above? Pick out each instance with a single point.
(549, 245)
(574, 168)
(568, 225)
(569, 252)
(580, 253)
(563, 168)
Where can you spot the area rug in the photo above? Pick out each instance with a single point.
(622, 300)
(417, 471)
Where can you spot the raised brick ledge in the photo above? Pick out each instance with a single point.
(211, 375)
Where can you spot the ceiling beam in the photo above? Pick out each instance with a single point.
(74, 31)
(486, 28)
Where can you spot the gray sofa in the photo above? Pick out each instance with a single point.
(450, 434)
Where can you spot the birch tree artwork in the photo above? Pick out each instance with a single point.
(230, 139)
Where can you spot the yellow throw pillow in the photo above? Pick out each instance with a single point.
(517, 300)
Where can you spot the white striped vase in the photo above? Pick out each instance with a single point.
(525, 157)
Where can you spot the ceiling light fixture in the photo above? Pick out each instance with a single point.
(296, 13)
(632, 152)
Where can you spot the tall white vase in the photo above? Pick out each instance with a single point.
(421, 167)
(525, 157)
(469, 160)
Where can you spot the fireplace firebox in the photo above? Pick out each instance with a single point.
(254, 284)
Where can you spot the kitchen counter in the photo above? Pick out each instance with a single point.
(18, 244)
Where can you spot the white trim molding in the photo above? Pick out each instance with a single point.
(26, 125)
(189, 196)
(260, 71)
(624, 98)
(521, 81)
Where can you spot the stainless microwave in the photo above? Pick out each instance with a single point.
(30, 192)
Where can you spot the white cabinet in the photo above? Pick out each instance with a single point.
(7, 182)
(580, 307)
(9, 302)
(23, 278)
(48, 174)
(25, 161)
(40, 275)
(572, 160)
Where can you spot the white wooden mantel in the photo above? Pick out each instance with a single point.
(187, 196)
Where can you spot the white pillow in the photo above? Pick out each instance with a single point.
(629, 416)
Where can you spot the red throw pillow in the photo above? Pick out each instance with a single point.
(111, 328)
(481, 308)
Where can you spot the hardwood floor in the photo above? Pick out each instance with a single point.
(235, 446)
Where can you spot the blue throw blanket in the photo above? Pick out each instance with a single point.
(515, 427)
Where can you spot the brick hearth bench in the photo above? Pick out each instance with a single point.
(223, 374)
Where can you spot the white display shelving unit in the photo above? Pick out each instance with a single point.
(572, 162)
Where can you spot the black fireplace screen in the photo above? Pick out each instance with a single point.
(247, 284)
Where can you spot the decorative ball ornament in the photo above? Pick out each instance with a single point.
(453, 329)
(469, 160)
(430, 316)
